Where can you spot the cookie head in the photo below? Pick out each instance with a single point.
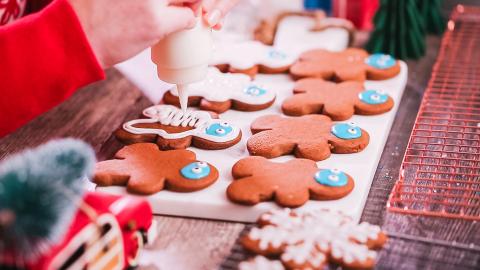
(144, 169)
(346, 131)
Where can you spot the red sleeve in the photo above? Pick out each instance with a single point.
(44, 58)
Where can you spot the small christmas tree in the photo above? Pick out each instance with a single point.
(399, 30)
(39, 191)
(430, 11)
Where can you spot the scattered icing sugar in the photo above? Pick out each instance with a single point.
(306, 252)
(261, 263)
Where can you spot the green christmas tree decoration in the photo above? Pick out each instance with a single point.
(430, 10)
(399, 30)
(39, 191)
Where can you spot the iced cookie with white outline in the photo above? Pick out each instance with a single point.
(250, 57)
(312, 137)
(316, 238)
(222, 91)
(256, 179)
(351, 64)
(338, 101)
(171, 128)
(144, 169)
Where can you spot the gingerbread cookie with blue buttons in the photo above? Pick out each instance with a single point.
(312, 137)
(338, 101)
(257, 179)
(145, 169)
(351, 64)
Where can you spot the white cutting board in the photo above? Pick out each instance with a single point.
(212, 202)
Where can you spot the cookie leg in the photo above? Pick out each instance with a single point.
(269, 144)
(249, 191)
(301, 104)
(339, 111)
(316, 150)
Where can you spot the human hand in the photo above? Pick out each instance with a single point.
(119, 29)
(215, 11)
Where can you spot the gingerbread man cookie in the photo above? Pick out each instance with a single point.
(171, 128)
(257, 179)
(220, 92)
(312, 137)
(251, 57)
(144, 169)
(349, 65)
(311, 240)
(338, 101)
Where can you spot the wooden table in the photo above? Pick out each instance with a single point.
(415, 242)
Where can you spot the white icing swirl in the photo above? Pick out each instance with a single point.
(350, 252)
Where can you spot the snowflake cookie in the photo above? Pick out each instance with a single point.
(311, 240)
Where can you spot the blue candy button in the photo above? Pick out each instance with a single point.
(333, 178)
(380, 61)
(219, 129)
(346, 131)
(373, 97)
(254, 91)
(195, 170)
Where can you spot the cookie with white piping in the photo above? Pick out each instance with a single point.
(316, 238)
(351, 64)
(338, 101)
(312, 137)
(171, 128)
(256, 179)
(220, 92)
(250, 57)
(144, 169)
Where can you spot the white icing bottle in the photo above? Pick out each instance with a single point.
(183, 57)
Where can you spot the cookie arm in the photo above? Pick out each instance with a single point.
(269, 144)
(302, 104)
(248, 166)
(265, 123)
(313, 150)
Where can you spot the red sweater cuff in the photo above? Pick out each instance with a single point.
(45, 58)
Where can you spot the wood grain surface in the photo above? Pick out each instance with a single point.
(415, 242)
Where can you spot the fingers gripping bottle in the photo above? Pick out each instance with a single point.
(182, 57)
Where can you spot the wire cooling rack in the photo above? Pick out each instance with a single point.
(440, 173)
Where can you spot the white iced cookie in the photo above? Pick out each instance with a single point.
(251, 57)
(222, 91)
(309, 240)
(168, 122)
